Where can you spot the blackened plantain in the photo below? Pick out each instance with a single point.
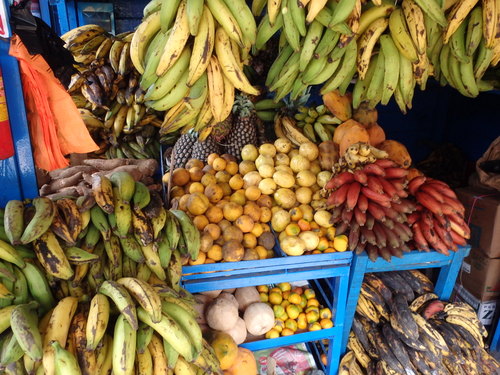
(397, 348)
(360, 332)
(402, 314)
(379, 285)
(397, 284)
(384, 351)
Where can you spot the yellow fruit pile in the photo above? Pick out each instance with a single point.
(296, 310)
(231, 214)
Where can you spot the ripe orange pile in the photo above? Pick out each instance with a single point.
(295, 309)
(231, 216)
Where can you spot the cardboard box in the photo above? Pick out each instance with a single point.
(487, 311)
(483, 209)
(480, 275)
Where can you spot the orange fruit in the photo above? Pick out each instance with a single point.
(222, 176)
(296, 214)
(265, 201)
(249, 241)
(208, 179)
(312, 316)
(245, 223)
(326, 323)
(257, 229)
(304, 225)
(215, 252)
(262, 251)
(209, 261)
(238, 197)
(262, 288)
(292, 311)
(232, 211)
(213, 230)
(309, 293)
(196, 187)
(264, 297)
(200, 222)
(314, 326)
(211, 158)
(287, 332)
(197, 203)
(292, 229)
(195, 174)
(325, 313)
(176, 191)
(214, 214)
(219, 164)
(253, 210)
(192, 163)
(200, 260)
(275, 298)
(272, 334)
(265, 215)
(236, 182)
(295, 298)
(180, 177)
(252, 193)
(232, 168)
(291, 324)
(232, 233)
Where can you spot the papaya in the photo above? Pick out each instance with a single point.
(349, 133)
(397, 152)
(244, 364)
(376, 134)
(225, 349)
(339, 105)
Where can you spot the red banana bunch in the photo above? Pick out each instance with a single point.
(370, 205)
(438, 222)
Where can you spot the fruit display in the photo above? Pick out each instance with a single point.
(401, 327)
(77, 180)
(389, 48)
(191, 56)
(296, 310)
(107, 93)
(95, 289)
(226, 206)
(240, 128)
(439, 221)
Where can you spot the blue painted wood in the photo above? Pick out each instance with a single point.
(329, 277)
(450, 266)
(45, 11)
(495, 342)
(18, 179)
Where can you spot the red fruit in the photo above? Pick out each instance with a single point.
(370, 221)
(362, 203)
(429, 189)
(372, 252)
(390, 189)
(376, 211)
(353, 195)
(432, 309)
(368, 235)
(374, 184)
(443, 234)
(353, 236)
(375, 197)
(419, 238)
(347, 215)
(380, 235)
(392, 238)
(443, 189)
(374, 170)
(360, 176)
(456, 205)
(404, 207)
(359, 216)
(396, 252)
(429, 202)
(341, 228)
(395, 173)
(384, 253)
(339, 180)
(415, 184)
(391, 213)
(385, 163)
(339, 196)
(458, 239)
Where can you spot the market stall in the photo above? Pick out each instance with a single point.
(241, 187)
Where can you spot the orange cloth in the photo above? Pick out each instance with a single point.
(55, 124)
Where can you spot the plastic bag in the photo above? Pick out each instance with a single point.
(56, 127)
(489, 179)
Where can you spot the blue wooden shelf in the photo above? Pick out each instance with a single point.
(361, 264)
(495, 341)
(327, 273)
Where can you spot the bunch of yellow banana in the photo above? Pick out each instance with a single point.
(125, 250)
(107, 93)
(388, 48)
(286, 127)
(191, 55)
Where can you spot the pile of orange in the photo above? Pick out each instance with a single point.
(296, 310)
(231, 216)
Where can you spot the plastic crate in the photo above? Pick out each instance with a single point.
(361, 264)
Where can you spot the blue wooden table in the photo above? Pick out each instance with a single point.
(361, 264)
(327, 273)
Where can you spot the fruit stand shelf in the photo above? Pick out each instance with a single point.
(328, 273)
(495, 342)
(256, 272)
(361, 264)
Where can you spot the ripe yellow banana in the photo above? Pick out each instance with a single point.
(229, 65)
(216, 89)
(176, 41)
(203, 46)
(142, 36)
(367, 42)
(97, 321)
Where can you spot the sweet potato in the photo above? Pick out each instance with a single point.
(106, 164)
(60, 183)
(70, 171)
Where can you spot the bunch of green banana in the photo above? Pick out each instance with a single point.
(141, 144)
(401, 327)
(106, 91)
(191, 55)
(317, 123)
(104, 285)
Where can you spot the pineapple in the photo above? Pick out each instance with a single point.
(244, 130)
(183, 148)
(201, 150)
(222, 129)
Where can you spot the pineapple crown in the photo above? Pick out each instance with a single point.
(242, 106)
(291, 105)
